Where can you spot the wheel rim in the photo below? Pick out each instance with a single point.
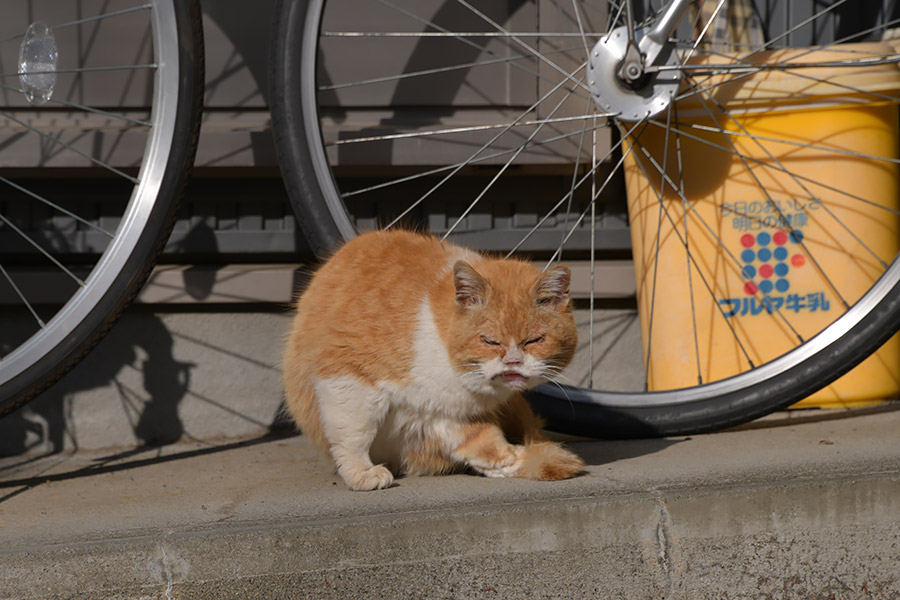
(331, 170)
(157, 22)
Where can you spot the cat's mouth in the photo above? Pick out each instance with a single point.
(513, 379)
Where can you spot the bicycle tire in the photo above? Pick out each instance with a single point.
(301, 172)
(319, 201)
(115, 279)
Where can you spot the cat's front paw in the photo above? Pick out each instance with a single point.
(373, 478)
(508, 465)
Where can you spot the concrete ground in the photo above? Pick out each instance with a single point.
(800, 505)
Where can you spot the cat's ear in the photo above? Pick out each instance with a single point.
(552, 289)
(471, 289)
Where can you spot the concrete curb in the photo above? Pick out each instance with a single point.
(803, 540)
(801, 511)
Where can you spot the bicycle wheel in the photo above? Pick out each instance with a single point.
(517, 127)
(101, 106)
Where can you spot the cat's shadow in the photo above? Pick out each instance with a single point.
(601, 452)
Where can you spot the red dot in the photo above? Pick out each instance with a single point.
(798, 260)
(750, 288)
(766, 271)
(780, 238)
(747, 240)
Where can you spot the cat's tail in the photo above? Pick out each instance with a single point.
(548, 461)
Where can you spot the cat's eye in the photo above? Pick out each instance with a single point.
(489, 341)
(536, 340)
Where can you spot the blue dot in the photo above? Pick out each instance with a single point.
(782, 285)
(765, 286)
(763, 239)
(748, 255)
(748, 272)
(796, 236)
(781, 253)
(781, 269)
(764, 254)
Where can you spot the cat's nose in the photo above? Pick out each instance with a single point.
(513, 356)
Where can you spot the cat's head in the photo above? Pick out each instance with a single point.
(513, 325)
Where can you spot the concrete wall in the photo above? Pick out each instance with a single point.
(211, 372)
(159, 377)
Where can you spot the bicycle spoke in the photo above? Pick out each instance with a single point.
(886, 26)
(21, 297)
(771, 202)
(478, 152)
(692, 258)
(754, 49)
(69, 147)
(567, 198)
(615, 17)
(781, 169)
(55, 206)
(606, 182)
(505, 166)
(813, 198)
(450, 34)
(687, 252)
(706, 27)
(753, 68)
(104, 16)
(587, 47)
(573, 186)
(104, 113)
(40, 249)
(803, 23)
(86, 20)
(434, 71)
(436, 171)
(462, 39)
(662, 207)
(80, 70)
(555, 257)
(567, 233)
(453, 130)
(720, 243)
(81, 107)
(594, 166)
(837, 46)
(855, 90)
(827, 149)
(519, 41)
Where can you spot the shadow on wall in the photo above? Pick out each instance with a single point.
(152, 411)
(237, 54)
(154, 380)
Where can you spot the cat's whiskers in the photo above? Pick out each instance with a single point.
(471, 375)
(566, 394)
(560, 378)
(554, 373)
(562, 389)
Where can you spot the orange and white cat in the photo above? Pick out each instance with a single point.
(408, 355)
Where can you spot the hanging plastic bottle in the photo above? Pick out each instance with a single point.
(37, 63)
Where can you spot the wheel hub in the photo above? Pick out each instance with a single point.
(621, 86)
